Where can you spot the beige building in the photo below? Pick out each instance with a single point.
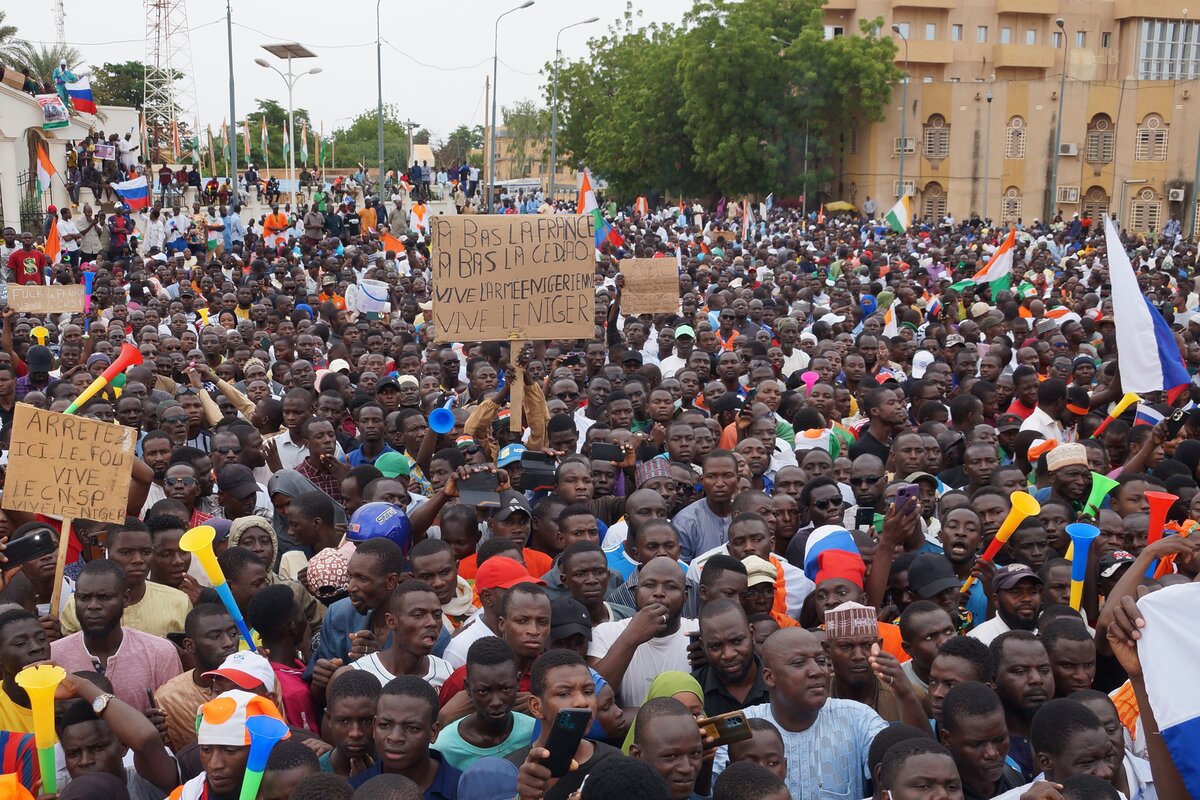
(532, 165)
(983, 102)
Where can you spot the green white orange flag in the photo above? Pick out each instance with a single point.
(900, 217)
(998, 272)
(587, 198)
(45, 168)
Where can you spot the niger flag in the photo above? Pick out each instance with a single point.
(53, 243)
(392, 243)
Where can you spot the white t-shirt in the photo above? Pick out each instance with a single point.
(67, 227)
(659, 655)
(439, 669)
(471, 631)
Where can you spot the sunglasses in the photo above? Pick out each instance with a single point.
(189, 482)
(227, 449)
(866, 480)
(826, 504)
(177, 419)
(567, 396)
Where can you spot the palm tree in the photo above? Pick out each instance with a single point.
(42, 60)
(8, 34)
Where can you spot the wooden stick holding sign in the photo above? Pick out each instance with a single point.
(60, 566)
(516, 388)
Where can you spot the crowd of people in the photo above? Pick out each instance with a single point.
(754, 515)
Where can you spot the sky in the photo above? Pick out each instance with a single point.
(436, 55)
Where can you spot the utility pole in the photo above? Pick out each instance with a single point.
(487, 139)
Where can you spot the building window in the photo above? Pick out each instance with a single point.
(1151, 144)
(1168, 50)
(1006, 36)
(1095, 204)
(1010, 205)
(1081, 38)
(1030, 36)
(933, 202)
(1056, 40)
(1105, 40)
(981, 33)
(930, 31)
(903, 26)
(1101, 139)
(1145, 212)
(936, 145)
(956, 33)
(1014, 138)
(834, 31)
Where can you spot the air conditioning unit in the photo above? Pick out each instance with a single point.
(1175, 195)
(1068, 149)
(906, 145)
(1067, 194)
(910, 188)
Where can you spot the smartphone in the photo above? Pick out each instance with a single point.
(538, 472)
(30, 547)
(726, 728)
(601, 451)
(150, 697)
(906, 493)
(749, 397)
(1176, 422)
(479, 490)
(569, 727)
(864, 517)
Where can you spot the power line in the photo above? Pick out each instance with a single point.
(141, 40)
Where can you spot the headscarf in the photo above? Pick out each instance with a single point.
(243, 524)
(667, 684)
(291, 483)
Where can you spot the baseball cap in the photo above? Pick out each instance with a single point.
(339, 364)
(955, 339)
(759, 570)
(632, 356)
(489, 778)
(569, 617)
(510, 503)
(831, 318)
(1008, 422)
(237, 480)
(922, 476)
(1111, 563)
(685, 330)
(387, 383)
(727, 402)
(920, 362)
(510, 454)
(930, 574)
(1009, 576)
(393, 465)
(39, 358)
(501, 572)
(246, 669)
(223, 719)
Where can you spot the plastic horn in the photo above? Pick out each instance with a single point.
(88, 278)
(41, 334)
(441, 420)
(1023, 505)
(1120, 408)
(264, 733)
(1101, 486)
(203, 312)
(1165, 565)
(39, 682)
(130, 356)
(199, 542)
(1160, 504)
(1082, 535)
(809, 378)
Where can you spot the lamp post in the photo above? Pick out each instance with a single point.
(289, 51)
(379, 101)
(903, 108)
(235, 198)
(1062, 85)
(554, 107)
(987, 156)
(495, 74)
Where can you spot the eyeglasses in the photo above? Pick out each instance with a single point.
(177, 419)
(827, 503)
(866, 480)
(567, 396)
(189, 482)
(182, 390)
(227, 449)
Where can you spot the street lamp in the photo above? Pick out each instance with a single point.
(804, 190)
(289, 51)
(495, 74)
(554, 107)
(903, 108)
(379, 107)
(987, 155)
(1062, 84)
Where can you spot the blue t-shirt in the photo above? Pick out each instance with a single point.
(444, 786)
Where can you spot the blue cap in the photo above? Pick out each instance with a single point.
(509, 454)
(489, 778)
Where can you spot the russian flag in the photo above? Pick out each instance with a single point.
(1169, 649)
(134, 192)
(1146, 415)
(81, 95)
(827, 537)
(1148, 363)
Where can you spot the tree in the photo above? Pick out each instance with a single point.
(529, 128)
(421, 136)
(120, 84)
(459, 146)
(358, 142)
(42, 60)
(8, 36)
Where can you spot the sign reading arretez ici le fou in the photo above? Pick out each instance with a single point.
(500, 277)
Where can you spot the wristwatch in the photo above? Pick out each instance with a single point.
(101, 703)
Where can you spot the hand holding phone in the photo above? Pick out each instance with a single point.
(725, 729)
(569, 727)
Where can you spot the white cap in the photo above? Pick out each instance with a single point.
(921, 361)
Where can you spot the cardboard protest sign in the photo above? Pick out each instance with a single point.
(33, 299)
(67, 466)
(500, 277)
(651, 286)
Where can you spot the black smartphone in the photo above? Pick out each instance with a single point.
(569, 727)
(150, 697)
(479, 490)
(1175, 422)
(726, 728)
(602, 451)
(749, 398)
(864, 517)
(30, 547)
(538, 472)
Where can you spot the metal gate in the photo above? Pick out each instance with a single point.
(30, 211)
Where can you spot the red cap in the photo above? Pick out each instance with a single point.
(51, 210)
(841, 564)
(499, 572)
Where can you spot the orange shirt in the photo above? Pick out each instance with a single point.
(536, 562)
(274, 223)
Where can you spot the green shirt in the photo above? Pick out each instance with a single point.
(460, 754)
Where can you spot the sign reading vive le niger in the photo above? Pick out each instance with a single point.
(502, 277)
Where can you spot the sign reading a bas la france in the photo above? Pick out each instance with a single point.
(500, 277)
(54, 299)
(68, 466)
(651, 286)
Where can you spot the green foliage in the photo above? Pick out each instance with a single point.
(529, 128)
(41, 59)
(120, 84)
(8, 35)
(459, 145)
(358, 142)
(715, 105)
(421, 136)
